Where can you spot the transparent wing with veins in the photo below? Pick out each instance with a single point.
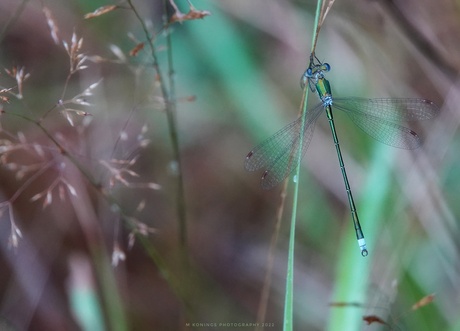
(380, 118)
(279, 154)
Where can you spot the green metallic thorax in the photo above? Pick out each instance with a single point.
(323, 88)
(325, 94)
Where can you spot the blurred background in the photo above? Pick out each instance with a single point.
(100, 246)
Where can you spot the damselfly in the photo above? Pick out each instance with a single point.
(380, 118)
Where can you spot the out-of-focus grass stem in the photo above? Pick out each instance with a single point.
(170, 108)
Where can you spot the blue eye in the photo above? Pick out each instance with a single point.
(280, 154)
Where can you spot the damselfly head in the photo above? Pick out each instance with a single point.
(318, 70)
(313, 73)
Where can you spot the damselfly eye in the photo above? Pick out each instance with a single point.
(325, 67)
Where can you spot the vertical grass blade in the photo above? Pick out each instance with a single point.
(289, 297)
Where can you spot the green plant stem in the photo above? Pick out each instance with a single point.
(289, 297)
(170, 108)
(172, 121)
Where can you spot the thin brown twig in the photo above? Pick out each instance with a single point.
(325, 8)
(263, 303)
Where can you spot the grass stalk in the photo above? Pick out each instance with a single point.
(170, 109)
(289, 297)
(172, 122)
(261, 313)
